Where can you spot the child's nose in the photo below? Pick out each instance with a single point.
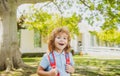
(61, 39)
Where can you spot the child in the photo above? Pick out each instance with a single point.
(58, 61)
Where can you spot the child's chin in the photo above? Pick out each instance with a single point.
(62, 48)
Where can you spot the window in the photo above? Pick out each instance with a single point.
(37, 39)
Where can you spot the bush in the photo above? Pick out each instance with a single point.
(32, 55)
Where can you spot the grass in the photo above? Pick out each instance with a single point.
(84, 66)
(91, 66)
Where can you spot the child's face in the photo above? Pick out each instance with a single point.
(61, 40)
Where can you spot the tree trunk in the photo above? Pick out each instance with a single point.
(10, 56)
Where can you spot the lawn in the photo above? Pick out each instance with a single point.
(91, 66)
(84, 66)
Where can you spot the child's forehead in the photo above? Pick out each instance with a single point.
(61, 34)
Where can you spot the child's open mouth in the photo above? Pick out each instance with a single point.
(61, 44)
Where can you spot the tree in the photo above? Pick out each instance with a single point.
(44, 22)
(20, 22)
(100, 13)
(111, 36)
(109, 9)
(106, 12)
(10, 56)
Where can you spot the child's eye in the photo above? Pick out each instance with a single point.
(65, 38)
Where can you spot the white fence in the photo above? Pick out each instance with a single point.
(106, 52)
(102, 49)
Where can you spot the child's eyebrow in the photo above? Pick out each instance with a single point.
(65, 36)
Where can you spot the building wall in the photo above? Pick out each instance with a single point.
(27, 42)
(78, 43)
(74, 44)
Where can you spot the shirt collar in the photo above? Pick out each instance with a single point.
(56, 53)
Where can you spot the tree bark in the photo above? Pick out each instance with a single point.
(9, 50)
(10, 56)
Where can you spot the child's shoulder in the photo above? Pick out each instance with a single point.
(70, 54)
(46, 54)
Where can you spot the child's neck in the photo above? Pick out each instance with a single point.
(59, 51)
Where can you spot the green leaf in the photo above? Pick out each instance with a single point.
(91, 6)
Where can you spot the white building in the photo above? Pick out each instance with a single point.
(79, 43)
(85, 42)
(27, 43)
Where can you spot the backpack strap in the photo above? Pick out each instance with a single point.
(52, 60)
(67, 58)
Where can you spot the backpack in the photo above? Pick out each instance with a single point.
(52, 60)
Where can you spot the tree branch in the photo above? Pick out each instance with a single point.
(3, 4)
(57, 7)
(59, 11)
(45, 5)
(83, 1)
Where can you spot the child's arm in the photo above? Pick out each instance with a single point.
(41, 72)
(69, 68)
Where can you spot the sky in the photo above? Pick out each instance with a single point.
(21, 9)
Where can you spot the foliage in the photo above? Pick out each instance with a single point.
(98, 13)
(112, 36)
(103, 13)
(38, 20)
(72, 23)
(20, 22)
(111, 13)
(108, 9)
(106, 12)
(44, 22)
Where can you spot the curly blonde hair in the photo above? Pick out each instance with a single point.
(55, 32)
